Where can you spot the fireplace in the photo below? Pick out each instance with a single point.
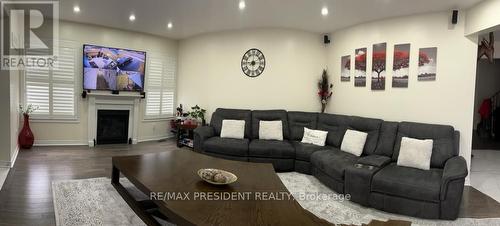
(112, 126)
(125, 103)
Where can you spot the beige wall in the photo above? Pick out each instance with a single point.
(448, 100)
(210, 73)
(9, 116)
(14, 113)
(5, 133)
(51, 132)
(483, 17)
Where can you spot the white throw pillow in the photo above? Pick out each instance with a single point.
(233, 129)
(271, 130)
(415, 153)
(316, 137)
(353, 142)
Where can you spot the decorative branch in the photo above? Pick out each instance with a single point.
(30, 108)
(324, 92)
(487, 48)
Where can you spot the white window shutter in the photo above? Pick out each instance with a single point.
(37, 93)
(153, 95)
(53, 90)
(37, 86)
(168, 88)
(160, 96)
(63, 83)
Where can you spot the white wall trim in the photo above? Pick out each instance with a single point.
(105, 102)
(155, 138)
(59, 142)
(10, 164)
(14, 157)
(4, 164)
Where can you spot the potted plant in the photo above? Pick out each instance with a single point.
(198, 114)
(26, 137)
(324, 92)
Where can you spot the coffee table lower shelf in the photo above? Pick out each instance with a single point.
(144, 209)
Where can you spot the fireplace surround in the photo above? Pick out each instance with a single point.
(123, 102)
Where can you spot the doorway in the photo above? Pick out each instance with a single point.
(485, 162)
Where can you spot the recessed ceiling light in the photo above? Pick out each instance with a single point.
(324, 11)
(169, 25)
(242, 5)
(76, 9)
(131, 17)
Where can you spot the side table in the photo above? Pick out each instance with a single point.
(185, 134)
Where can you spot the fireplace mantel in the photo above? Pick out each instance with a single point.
(113, 102)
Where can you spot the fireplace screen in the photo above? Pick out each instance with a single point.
(112, 126)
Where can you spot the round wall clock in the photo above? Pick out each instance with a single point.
(253, 63)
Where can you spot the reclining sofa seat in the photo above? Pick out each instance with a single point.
(329, 165)
(278, 152)
(434, 193)
(208, 138)
(297, 121)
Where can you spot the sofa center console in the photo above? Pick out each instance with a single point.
(357, 182)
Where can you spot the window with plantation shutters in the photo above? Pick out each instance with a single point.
(160, 87)
(53, 89)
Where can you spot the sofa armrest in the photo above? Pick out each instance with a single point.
(200, 135)
(454, 169)
(374, 160)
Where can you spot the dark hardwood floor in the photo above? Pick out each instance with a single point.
(26, 197)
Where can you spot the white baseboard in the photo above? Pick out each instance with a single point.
(59, 142)
(5, 164)
(10, 164)
(13, 158)
(145, 139)
(87, 143)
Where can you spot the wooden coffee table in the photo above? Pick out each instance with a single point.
(174, 172)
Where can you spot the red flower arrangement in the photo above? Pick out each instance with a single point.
(324, 92)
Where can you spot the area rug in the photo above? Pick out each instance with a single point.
(91, 202)
(96, 202)
(346, 212)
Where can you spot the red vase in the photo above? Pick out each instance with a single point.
(26, 137)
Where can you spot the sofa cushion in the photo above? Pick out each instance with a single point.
(387, 138)
(443, 146)
(333, 162)
(236, 114)
(336, 125)
(298, 120)
(316, 137)
(408, 182)
(370, 126)
(304, 151)
(271, 130)
(227, 146)
(353, 142)
(233, 129)
(269, 115)
(415, 153)
(271, 149)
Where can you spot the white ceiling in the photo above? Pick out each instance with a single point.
(193, 17)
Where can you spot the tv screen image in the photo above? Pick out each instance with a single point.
(106, 68)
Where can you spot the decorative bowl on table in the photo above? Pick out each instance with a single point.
(217, 176)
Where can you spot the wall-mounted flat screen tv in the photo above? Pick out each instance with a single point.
(106, 68)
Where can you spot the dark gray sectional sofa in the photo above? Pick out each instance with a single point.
(373, 179)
